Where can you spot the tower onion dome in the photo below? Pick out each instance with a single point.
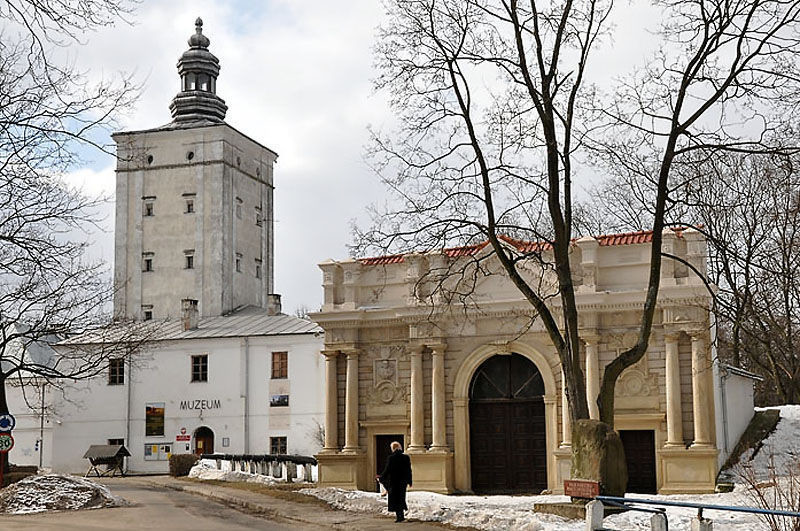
(198, 69)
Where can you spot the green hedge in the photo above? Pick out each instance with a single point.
(181, 464)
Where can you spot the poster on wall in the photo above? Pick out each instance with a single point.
(154, 419)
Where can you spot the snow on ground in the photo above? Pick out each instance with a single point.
(516, 512)
(781, 448)
(207, 469)
(54, 492)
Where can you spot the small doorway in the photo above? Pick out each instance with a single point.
(383, 451)
(640, 457)
(203, 441)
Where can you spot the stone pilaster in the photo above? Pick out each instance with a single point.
(592, 376)
(439, 443)
(351, 404)
(673, 377)
(702, 391)
(417, 403)
(566, 422)
(331, 403)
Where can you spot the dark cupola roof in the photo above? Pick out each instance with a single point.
(198, 69)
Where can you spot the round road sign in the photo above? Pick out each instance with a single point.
(7, 422)
(6, 442)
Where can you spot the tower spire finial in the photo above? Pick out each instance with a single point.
(198, 69)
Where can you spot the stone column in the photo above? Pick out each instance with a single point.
(702, 389)
(351, 404)
(566, 422)
(673, 377)
(439, 443)
(592, 376)
(417, 405)
(331, 403)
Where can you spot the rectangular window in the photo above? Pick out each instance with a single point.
(238, 262)
(148, 207)
(258, 268)
(154, 419)
(147, 262)
(277, 445)
(280, 365)
(279, 401)
(148, 315)
(189, 206)
(116, 371)
(189, 259)
(116, 442)
(258, 216)
(200, 368)
(238, 208)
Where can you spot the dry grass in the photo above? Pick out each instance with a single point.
(282, 491)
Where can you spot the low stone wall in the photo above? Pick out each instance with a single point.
(288, 468)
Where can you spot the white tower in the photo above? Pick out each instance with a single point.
(193, 206)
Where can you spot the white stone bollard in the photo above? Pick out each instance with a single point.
(307, 474)
(291, 472)
(594, 515)
(658, 522)
(275, 469)
(702, 524)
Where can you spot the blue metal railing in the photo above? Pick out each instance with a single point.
(623, 502)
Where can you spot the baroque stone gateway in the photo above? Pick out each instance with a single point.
(474, 389)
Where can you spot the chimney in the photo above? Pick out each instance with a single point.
(189, 314)
(273, 304)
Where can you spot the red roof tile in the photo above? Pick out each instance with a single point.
(523, 246)
(382, 260)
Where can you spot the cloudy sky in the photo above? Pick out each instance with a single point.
(296, 76)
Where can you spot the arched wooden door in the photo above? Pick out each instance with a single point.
(203, 441)
(507, 426)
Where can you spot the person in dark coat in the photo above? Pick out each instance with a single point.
(395, 478)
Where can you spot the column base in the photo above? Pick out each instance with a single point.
(345, 471)
(439, 450)
(329, 451)
(350, 450)
(687, 471)
(415, 450)
(563, 459)
(433, 471)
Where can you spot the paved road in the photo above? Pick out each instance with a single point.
(152, 508)
(156, 503)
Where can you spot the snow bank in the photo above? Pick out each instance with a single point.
(207, 469)
(515, 513)
(781, 449)
(54, 492)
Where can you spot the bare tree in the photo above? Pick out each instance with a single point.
(49, 112)
(496, 112)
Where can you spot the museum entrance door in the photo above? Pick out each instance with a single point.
(508, 452)
(640, 457)
(203, 441)
(383, 451)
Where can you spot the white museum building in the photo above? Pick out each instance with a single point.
(226, 371)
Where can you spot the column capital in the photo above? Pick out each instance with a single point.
(698, 334)
(589, 336)
(416, 348)
(438, 348)
(329, 353)
(672, 335)
(351, 352)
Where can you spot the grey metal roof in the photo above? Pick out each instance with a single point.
(248, 321)
(105, 451)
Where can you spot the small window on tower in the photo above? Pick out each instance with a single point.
(189, 256)
(238, 208)
(149, 208)
(238, 262)
(190, 206)
(258, 268)
(259, 219)
(147, 262)
(147, 312)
